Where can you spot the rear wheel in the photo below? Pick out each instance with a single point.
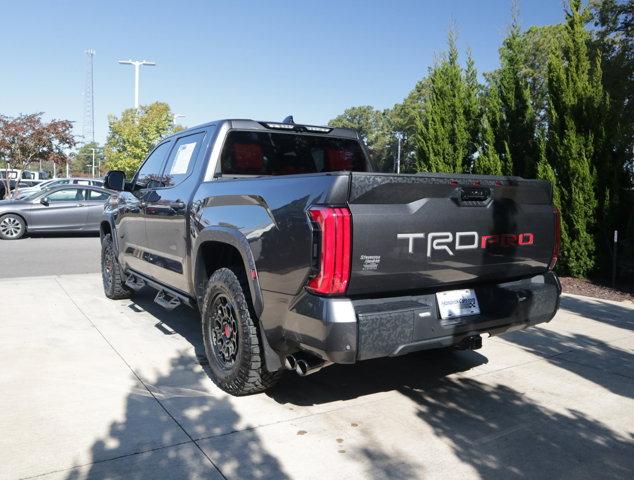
(111, 272)
(12, 227)
(234, 351)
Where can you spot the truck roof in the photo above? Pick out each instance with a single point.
(248, 124)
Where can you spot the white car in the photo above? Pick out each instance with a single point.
(56, 182)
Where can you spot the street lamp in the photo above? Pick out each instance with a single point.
(399, 137)
(176, 116)
(137, 67)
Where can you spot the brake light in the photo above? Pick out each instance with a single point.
(557, 245)
(334, 251)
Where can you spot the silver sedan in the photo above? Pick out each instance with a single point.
(58, 209)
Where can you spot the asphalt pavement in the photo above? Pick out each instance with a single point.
(49, 255)
(97, 389)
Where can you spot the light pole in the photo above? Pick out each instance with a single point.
(399, 137)
(175, 116)
(137, 67)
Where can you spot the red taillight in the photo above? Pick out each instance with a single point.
(334, 251)
(557, 245)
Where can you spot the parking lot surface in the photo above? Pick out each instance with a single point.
(93, 389)
(49, 254)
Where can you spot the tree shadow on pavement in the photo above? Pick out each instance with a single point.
(610, 313)
(503, 434)
(151, 443)
(590, 358)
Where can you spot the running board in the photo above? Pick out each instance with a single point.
(168, 297)
(166, 300)
(134, 283)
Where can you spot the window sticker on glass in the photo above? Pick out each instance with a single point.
(183, 157)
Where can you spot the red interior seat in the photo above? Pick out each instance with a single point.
(248, 158)
(338, 159)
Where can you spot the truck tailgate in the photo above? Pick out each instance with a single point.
(418, 232)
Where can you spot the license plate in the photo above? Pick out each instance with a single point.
(457, 303)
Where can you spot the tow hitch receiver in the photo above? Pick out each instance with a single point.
(473, 342)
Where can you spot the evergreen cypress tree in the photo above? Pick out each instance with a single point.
(519, 119)
(472, 112)
(489, 161)
(575, 100)
(442, 130)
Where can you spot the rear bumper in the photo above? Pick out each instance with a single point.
(343, 330)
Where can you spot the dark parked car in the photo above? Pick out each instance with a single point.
(58, 209)
(3, 186)
(299, 256)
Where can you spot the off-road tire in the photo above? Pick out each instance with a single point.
(111, 272)
(8, 230)
(247, 374)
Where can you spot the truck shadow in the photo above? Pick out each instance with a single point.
(337, 382)
(346, 382)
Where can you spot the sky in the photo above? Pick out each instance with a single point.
(239, 59)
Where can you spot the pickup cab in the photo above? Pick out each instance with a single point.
(299, 256)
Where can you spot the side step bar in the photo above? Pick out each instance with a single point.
(166, 297)
(166, 300)
(134, 283)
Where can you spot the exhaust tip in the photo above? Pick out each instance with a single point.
(290, 363)
(301, 367)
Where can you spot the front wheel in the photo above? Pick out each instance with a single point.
(12, 227)
(111, 272)
(234, 351)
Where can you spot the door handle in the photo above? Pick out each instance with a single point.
(177, 205)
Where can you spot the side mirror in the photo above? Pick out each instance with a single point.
(115, 180)
(44, 201)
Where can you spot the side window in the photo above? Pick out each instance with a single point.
(96, 195)
(66, 195)
(181, 160)
(148, 176)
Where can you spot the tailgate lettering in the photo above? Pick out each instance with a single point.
(437, 241)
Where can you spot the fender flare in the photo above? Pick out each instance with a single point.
(236, 239)
(113, 231)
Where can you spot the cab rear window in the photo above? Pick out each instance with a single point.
(266, 153)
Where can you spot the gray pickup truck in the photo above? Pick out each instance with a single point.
(298, 255)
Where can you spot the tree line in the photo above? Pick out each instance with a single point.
(559, 107)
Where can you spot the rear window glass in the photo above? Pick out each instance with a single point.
(264, 153)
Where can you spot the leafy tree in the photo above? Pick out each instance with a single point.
(444, 134)
(576, 108)
(27, 138)
(374, 128)
(403, 118)
(82, 158)
(133, 135)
